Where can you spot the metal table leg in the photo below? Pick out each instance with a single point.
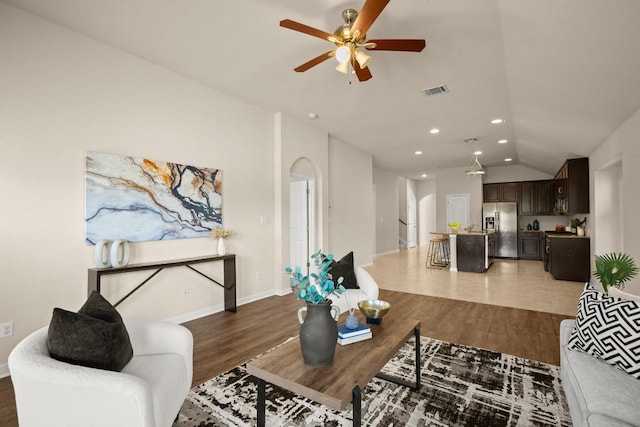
(261, 403)
(356, 401)
(415, 385)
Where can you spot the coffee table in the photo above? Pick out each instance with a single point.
(353, 367)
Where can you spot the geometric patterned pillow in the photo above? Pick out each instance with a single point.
(609, 329)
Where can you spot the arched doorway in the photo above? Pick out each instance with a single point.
(302, 213)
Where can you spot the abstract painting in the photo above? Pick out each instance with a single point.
(139, 199)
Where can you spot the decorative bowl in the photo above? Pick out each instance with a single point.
(374, 310)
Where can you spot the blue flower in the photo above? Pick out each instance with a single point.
(317, 286)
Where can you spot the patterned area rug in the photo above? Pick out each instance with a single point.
(461, 386)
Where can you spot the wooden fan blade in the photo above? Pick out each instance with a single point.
(369, 13)
(404, 45)
(315, 61)
(296, 26)
(363, 74)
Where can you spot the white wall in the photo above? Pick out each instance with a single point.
(608, 209)
(622, 146)
(426, 195)
(513, 173)
(455, 181)
(297, 140)
(351, 213)
(64, 94)
(387, 210)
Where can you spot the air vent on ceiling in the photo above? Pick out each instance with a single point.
(471, 140)
(436, 90)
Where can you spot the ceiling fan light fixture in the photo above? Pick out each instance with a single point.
(343, 67)
(362, 58)
(343, 54)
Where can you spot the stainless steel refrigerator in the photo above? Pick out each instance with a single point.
(502, 218)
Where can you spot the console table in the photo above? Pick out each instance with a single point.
(229, 285)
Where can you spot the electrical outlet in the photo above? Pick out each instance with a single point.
(185, 291)
(6, 329)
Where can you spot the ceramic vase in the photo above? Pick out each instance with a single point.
(102, 254)
(119, 253)
(318, 333)
(221, 248)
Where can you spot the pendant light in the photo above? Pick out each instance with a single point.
(476, 168)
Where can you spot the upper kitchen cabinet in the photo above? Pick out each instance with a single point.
(571, 187)
(535, 198)
(502, 192)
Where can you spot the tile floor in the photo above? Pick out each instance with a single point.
(510, 283)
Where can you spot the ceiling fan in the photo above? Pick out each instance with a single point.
(350, 37)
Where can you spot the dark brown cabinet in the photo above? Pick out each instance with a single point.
(502, 192)
(527, 199)
(531, 245)
(569, 258)
(535, 198)
(571, 187)
(543, 199)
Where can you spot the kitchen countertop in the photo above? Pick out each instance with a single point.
(564, 234)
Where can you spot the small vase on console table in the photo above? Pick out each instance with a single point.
(221, 248)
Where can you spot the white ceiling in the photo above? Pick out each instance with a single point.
(564, 74)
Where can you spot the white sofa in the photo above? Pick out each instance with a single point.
(148, 392)
(351, 297)
(598, 394)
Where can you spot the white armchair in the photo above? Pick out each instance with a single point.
(148, 392)
(349, 299)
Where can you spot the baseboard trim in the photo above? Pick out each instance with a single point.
(207, 311)
(283, 292)
(4, 370)
(389, 252)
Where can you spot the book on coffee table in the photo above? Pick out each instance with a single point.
(344, 332)
(355, 338)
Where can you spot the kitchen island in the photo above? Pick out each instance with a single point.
(472, 251)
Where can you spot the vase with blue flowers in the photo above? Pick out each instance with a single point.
(318, 325)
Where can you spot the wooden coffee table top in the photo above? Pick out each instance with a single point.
(354, 364)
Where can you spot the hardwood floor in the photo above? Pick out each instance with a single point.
(225, 340)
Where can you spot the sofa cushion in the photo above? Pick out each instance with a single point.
(344, 269)
(597, 393)
(95, 336)
(609, 329)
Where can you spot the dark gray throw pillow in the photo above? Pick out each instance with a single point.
(95, 336)
(344, 269)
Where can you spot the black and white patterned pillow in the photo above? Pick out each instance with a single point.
(609, 329)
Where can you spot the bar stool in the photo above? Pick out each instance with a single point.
(438, 255)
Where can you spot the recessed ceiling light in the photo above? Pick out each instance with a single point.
(508, 159)
(434, 131)
(312, 116)
(502, 141)
(418, 152)
(424, 175)
(497, 121)
(477, 153)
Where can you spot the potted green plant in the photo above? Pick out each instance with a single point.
(578, 225)
(318, 328)
(613, 269)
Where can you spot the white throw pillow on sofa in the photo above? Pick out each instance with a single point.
(609, 329)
